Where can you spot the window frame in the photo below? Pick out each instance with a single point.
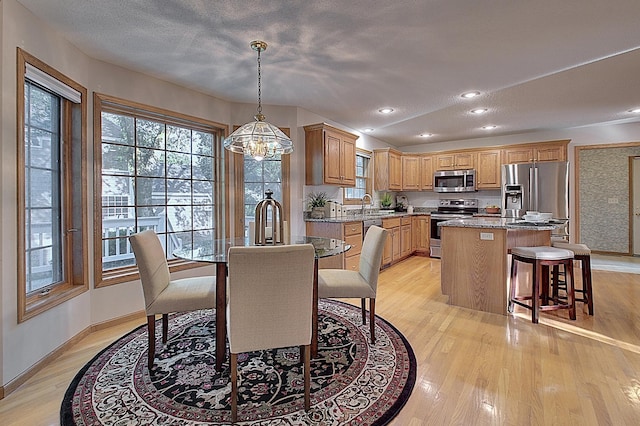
(107, 103)
(368, 184)
(73, 133)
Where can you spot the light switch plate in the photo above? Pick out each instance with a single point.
(488, 236)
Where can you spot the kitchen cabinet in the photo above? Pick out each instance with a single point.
(405, 236)
(350, 232)
(330, 156)
(420, 232)
(426, 172)
(392, 244)
(387, 165)
(410, 172)
(488, 169)
(528, 153)
(456, 161)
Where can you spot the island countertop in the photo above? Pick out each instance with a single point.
(503, 223)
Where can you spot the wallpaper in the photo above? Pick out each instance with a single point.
(604, 198)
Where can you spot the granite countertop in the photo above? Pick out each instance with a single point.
(418, 211)
(360, 217)
(500, 223)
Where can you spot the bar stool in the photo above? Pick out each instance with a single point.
(541, 258)
(581, 253)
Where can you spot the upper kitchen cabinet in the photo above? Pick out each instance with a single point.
(410, 172)
(426, 172)
(529, 153)
(455, 161)
(387, 164)
(488, 170)
(330, 156)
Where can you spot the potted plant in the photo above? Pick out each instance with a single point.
(386, 200)
(316, 202)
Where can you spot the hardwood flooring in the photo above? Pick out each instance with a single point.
(474, 368)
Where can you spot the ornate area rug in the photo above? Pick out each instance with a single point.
(352, 382)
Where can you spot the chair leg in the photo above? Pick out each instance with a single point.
(512, 287)
(363, 308)
(151, 331)
(306, 351)
(587, 285)
(372, 321)
(165, 327)
(234, 387)
(571, 294)
(535, 292)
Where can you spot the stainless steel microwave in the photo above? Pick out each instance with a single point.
(454, 181)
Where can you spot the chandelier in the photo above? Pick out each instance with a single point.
(259, 139)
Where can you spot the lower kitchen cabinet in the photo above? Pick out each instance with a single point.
(420, 231)
(398, 243)
(405, 236)
(350, 232)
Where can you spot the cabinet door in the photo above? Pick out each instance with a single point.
(332, 154)
(517, 155)
(410, 173)
(405, 240)
(551, 153)
(348, 162)
(488, 171)
(415, 232)
(387, 253)
(396, 244)
(420, 233)
(426, 172)
(395, 172)
(445, 162)
(465, 160)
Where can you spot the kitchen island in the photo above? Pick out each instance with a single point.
(475, 259)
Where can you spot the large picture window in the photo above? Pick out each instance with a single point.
(158, 171)
(52, 255)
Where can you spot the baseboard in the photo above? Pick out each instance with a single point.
(35, 368)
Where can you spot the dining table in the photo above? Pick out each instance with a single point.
(217, 250)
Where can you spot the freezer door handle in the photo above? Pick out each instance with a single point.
(533, 188)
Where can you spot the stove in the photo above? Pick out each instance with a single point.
(448, 209)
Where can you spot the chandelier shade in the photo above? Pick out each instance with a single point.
(259, 139)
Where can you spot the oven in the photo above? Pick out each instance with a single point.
(448, 209)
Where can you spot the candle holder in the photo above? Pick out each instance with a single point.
(265, 234)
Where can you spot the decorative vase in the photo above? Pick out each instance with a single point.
(317, 213)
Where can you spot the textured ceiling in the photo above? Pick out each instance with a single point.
(543, 64)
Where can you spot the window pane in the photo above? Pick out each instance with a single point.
(202, 192)
(150, 191)
(178, 165)
(150, 162)
(43, 189)
(179, 218)
(178, 191)
(117, 159)
(202, 167)
(202, 143)
(150, 134)
(117, 129)
(178, 139)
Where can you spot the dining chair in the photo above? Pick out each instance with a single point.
(162, 295)
(363, 283)
(270, 300)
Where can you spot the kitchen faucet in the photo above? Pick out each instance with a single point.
(370, 202)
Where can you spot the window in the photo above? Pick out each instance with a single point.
(158, 170)
(252, 179)
(363, 181)
(52, 255)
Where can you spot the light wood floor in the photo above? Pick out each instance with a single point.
(473, 368)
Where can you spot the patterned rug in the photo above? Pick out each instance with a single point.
(351, 381)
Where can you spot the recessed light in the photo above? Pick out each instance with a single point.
(490, 127)
(426, 135)
(479, 111)
(635, 110)
(468, 95)
(385, 110)
(367, 130)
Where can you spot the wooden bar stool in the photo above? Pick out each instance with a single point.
(541, 258)
(581, 253)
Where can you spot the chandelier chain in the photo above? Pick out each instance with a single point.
(259, 85)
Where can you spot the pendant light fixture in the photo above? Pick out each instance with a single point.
(259, 139)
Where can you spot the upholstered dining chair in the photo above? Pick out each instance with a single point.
(270, 300)
(363, 283)
(162, 295)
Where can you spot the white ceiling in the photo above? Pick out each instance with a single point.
(539, 65)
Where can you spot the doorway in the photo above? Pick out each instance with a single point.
(635, 208)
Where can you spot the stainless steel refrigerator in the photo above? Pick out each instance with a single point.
(542, 187)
